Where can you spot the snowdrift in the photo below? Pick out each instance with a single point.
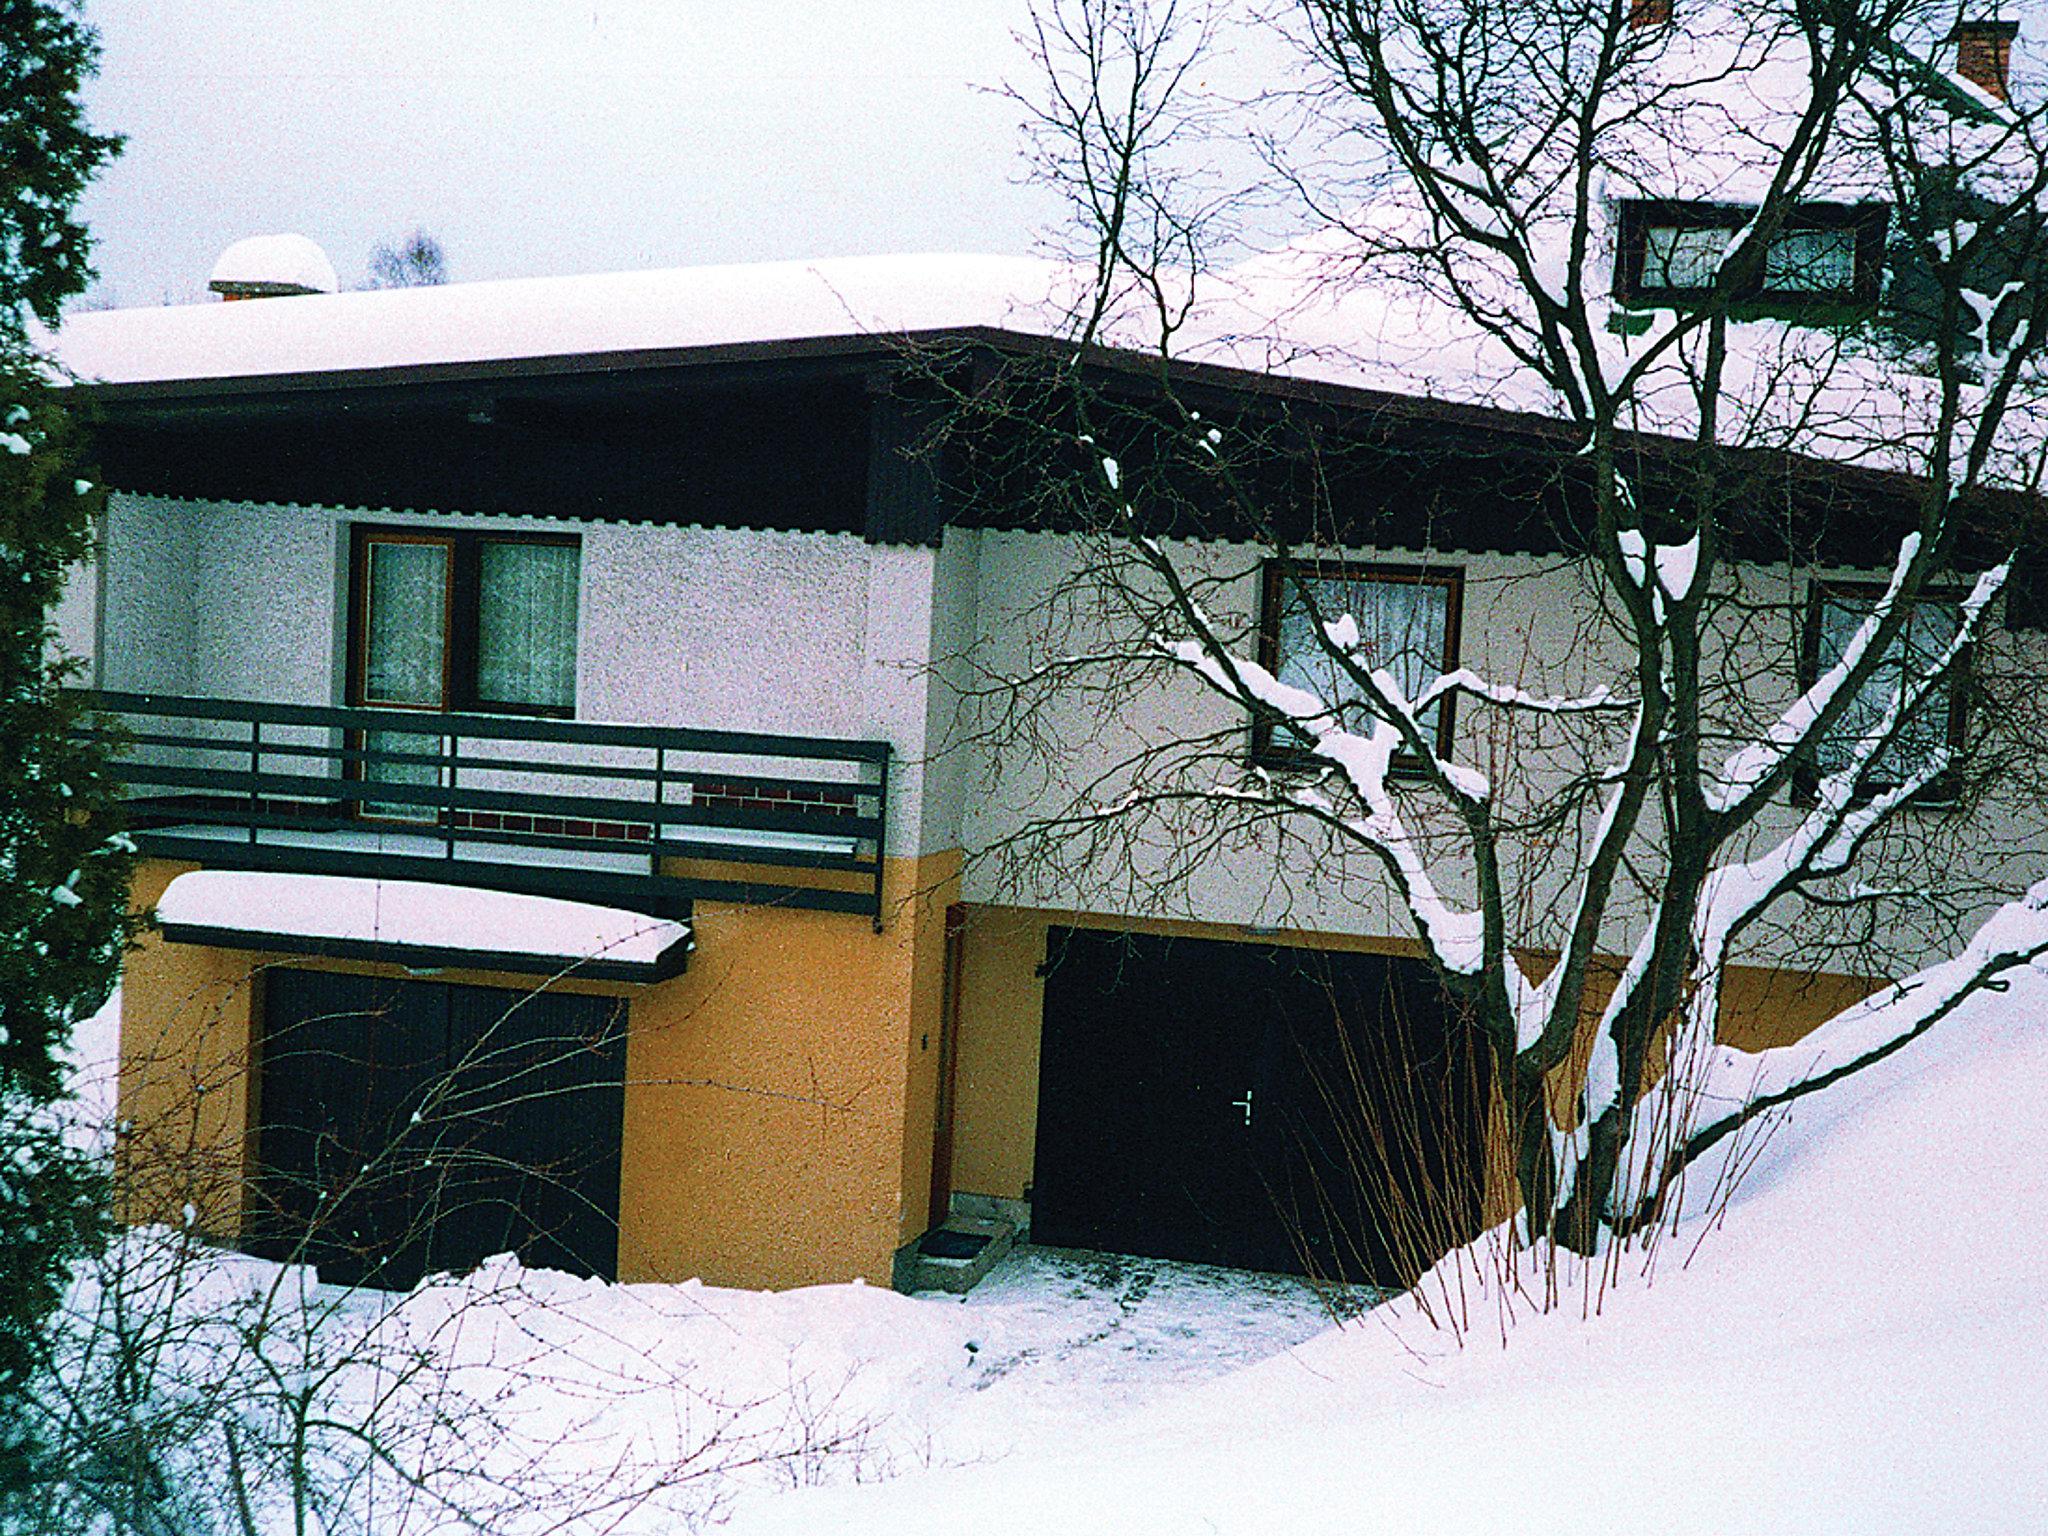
(1854, 1348)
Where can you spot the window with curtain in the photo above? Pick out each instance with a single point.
(465, 620)
(526, 624)
(405, 612)
(1407, 621)
(456, 621)
(1825, 253)
(1811, 261)
(1836, 615)
(1676, 257)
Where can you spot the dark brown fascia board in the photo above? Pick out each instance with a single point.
(393, 388)
(672, 961)
(863, 352)
(867, 348)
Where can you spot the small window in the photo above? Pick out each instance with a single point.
(1811, 261)
(1407, 619)
(1826, 253)
(1833, 617)
(1674, 257)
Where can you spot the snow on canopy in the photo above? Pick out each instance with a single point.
(274, 263)
(416, 913)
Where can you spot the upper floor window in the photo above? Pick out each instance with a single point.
(464, 620)
(1826, 253)
(1407, 619)
(1834, 614)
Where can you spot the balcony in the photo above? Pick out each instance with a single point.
(646, 818)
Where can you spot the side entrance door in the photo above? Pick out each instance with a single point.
(411, 1126)
(1253, 1105)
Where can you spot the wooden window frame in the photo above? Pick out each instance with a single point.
(359, 616)
(1637, 218)
(1942, 790)
(462, 618)
(1270, 753)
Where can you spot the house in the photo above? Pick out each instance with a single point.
(547, 709)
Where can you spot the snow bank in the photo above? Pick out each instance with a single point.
(415, 913)
(93, 1075)
(1855, 1350)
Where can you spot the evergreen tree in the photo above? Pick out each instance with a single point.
(64, 869)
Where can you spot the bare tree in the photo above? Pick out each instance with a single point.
(330, 1385)
(1705, 749)
(417, 261)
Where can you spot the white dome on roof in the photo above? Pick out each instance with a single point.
(273, 265)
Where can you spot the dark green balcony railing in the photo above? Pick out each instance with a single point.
(590, 812)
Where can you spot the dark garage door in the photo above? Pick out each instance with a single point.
(411, 1126)
(1254, 1105)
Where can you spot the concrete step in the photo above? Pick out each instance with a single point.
(953, 1257)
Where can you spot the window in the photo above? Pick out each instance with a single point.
(456, 621)
(1811, 261)
(465, 621)
(1833, 617)
(1825, 253)
(1407, 619)
(1675, 257)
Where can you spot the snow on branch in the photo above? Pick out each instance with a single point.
(1465, 680)
(1456, 937)
(1823, 845)
(2013, 936)
(1674, 565)
(1755, 763)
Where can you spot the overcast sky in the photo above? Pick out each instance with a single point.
(548, 136)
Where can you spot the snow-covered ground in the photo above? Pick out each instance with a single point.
(1855, 1348)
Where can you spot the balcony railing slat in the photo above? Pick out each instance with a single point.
(525, 835)
(300, 786)
(752, 744)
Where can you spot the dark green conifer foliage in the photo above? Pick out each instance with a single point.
(64, 867)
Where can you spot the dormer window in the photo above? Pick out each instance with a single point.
(1826, 254)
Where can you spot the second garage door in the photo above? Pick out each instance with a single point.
(409, 1126)
(1254, 1105)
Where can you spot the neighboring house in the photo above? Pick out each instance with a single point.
(543, 703)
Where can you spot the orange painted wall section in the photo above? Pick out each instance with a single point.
(185, 1086)
(779, 1094)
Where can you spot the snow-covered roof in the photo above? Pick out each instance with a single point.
(274, 264)
(603, 314)
(1313, 311)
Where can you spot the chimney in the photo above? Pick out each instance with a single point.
(1984, 54)
(272, 266)
(1643, 14)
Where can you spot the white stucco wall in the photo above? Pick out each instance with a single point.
(76, 616)
(805, 634)
(147, 587)
(752, 630)
(827, 635)
(956, 593)
(1529, 621)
